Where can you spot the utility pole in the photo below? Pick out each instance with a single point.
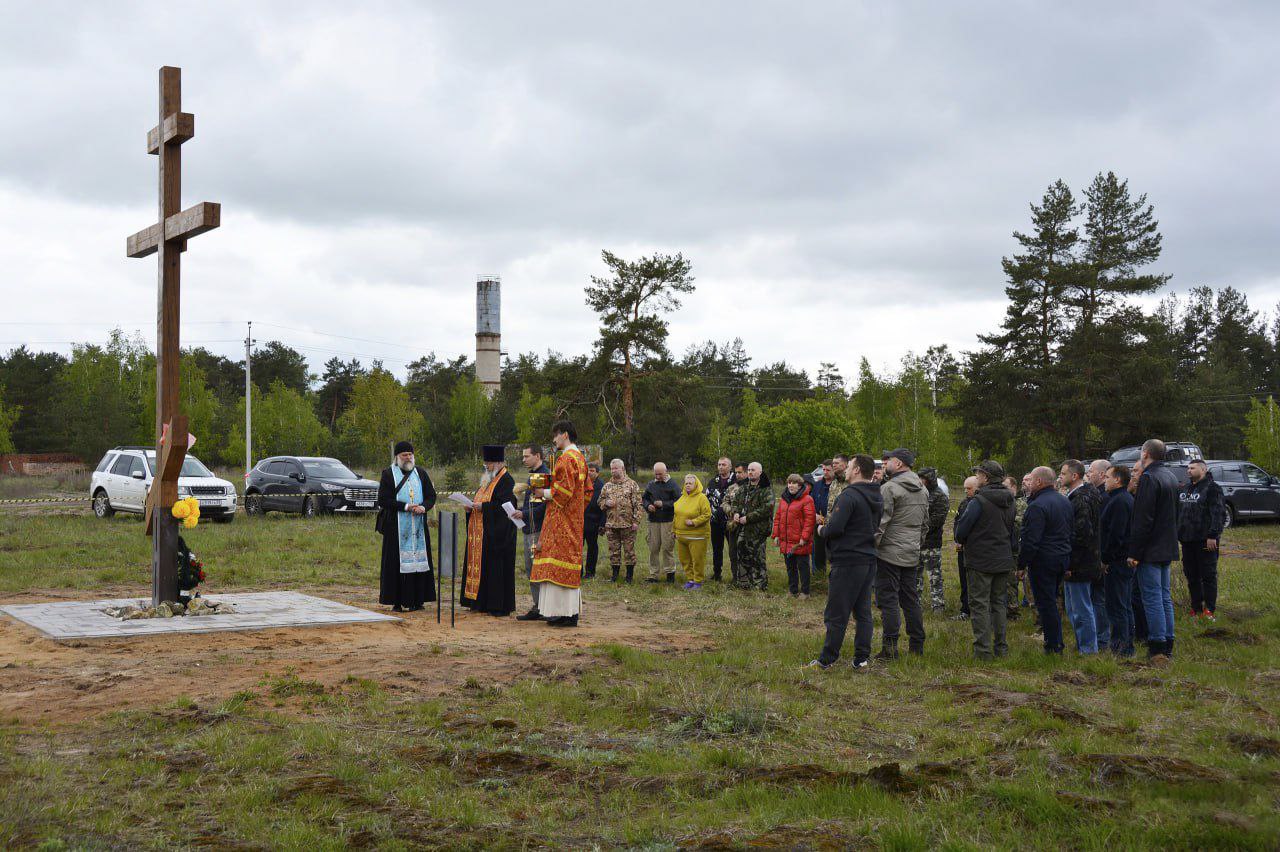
(248, 403)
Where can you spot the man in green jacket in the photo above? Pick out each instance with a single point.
(752, 512)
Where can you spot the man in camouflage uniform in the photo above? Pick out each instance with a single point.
(752, 511)
(731, 529)
(931, 543)
(1020, 509)
(620, 501)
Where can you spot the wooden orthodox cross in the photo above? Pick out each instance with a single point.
(168, 239)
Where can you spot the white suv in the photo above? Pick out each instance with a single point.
(124, 475)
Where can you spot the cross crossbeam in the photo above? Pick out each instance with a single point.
(191, 222)
(178, 127)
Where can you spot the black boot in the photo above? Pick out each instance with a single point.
(1168, 648)
(671, 578)
(1155, 649)
(630, 570)
(531, 615)
(615, 570)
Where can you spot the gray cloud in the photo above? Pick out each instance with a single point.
(816, 156)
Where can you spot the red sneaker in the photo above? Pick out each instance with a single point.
(1207, 616)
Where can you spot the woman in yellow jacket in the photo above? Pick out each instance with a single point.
(692, 528)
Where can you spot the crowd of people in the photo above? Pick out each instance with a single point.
(1098, 538)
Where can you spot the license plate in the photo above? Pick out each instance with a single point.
(364, 504)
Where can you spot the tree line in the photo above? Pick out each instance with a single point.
(1077, 367)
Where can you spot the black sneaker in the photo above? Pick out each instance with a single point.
(860, 665)
(531, 615)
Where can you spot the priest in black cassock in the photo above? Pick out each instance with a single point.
(489, 569)
(405, 495)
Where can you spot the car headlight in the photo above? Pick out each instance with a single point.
(183, 491)
(328, 487)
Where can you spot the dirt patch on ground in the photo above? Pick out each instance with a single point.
(1111, 768)
(43, 680)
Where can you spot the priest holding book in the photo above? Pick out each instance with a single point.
(489, 569)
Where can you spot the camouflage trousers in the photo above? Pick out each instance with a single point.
(750, 571)
(931, 564)
(622, 546)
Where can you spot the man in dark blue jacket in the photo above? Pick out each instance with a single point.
(820, 491)
(592, 520)
(532, 512)
(1153, 544)
(1202, 513)
(1045, 551)
(1113, 544)
(850, 534)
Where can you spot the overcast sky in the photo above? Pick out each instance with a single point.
(844, 176)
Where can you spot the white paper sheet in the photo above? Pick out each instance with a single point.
(511, 511)
(459, 497)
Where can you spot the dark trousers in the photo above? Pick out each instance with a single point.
(897, 587)
(1119, 584)
(849, 591)
(797, 573)
(1201, 567)
(731, 539)
(592, 539)
(1046, 575)
(964, 583)
(1098, 593)
(717, 549)
(819, 557)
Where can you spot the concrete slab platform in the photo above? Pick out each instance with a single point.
(254, 611)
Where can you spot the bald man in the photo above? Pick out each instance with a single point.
(1046, 550)
(660, 498)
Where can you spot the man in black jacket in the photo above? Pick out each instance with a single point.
(715, 490)
(1113, 543)
(592, 520)
(850, 535)
(660, 497)
(1201, 517)
(986, 529)
(1085, 568)
(1153, 544)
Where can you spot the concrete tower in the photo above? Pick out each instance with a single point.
(488, 332)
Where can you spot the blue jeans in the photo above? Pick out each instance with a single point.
(1080, 610)
(1119, 584)
(1157, 601)
(1098, 590)
(1045, 573)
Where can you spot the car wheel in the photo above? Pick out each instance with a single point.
(1231, 518)
(253, 505)
(102, 504)
(309, 507)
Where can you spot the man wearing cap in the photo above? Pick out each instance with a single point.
(986, 529)
(405, 495)
(489, 569)
(902, 520)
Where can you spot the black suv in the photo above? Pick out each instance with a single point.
(1178, 455)
(1249, 491)
(308, 486)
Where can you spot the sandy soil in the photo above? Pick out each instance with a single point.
(46, 681)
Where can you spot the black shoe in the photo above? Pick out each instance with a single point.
(918, 650)
(671, 578)
(614, 578)
(397, 608)
(417, 608)
(887, 654)
(1168, 649)
(564, 621)
(652, 580)
(716, 576)
(629, 571)
(531, 615)
(555, 622)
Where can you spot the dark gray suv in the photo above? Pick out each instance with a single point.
(308, 486)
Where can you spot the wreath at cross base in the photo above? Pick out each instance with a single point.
(190, 568)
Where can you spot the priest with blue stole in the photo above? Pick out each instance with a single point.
(405, 495)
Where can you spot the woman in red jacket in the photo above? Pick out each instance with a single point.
(793, 531)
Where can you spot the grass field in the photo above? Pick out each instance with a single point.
(727, 745)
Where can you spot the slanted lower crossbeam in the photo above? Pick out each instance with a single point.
(191, 222)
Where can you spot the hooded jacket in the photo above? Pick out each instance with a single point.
(902, 519)
(986, 529)
(793, 522)
(692, 507)
(1085, 564)
(1202, 513)
(850, 530)
(939, 505)
(754, 501)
